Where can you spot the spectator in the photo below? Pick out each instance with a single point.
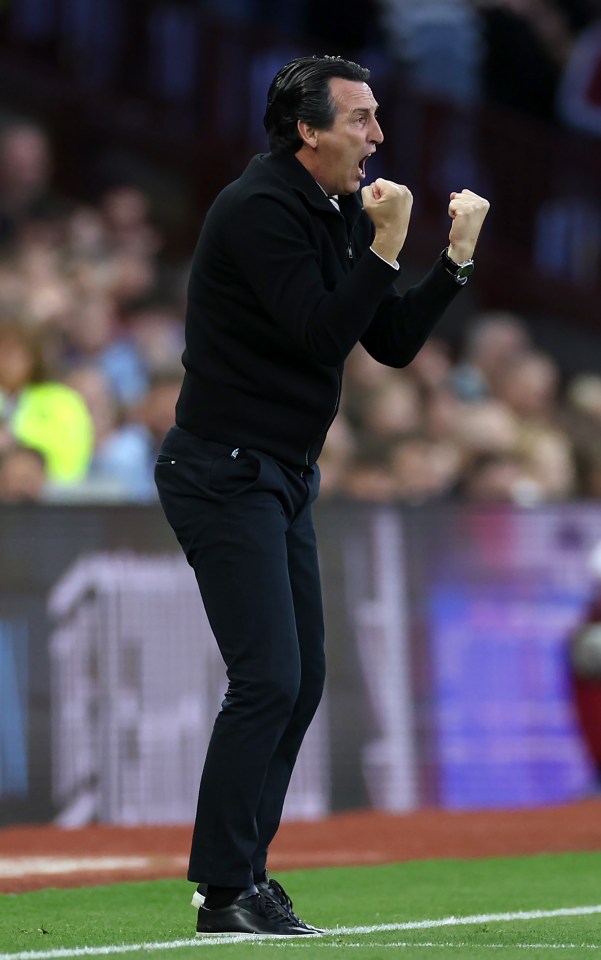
(493, 339)
(129, 453)
(26, 194)
(95, 337)
(432, 367)
(126, 214)
(38, 412)
(44, 294)
(438, 42)
(497, 477)
(548, 460)
(422, 469)
(392, 409)
(156, 330)
(369, 477)
(485, 428)
(22, 474)
(86, 234)
(444, 411)
(528, 384)
(584, 395)
(110, 475)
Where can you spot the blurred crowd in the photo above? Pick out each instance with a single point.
(541, 57)
(495, 424)
(91, 336)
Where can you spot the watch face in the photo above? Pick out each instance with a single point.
(465, 270)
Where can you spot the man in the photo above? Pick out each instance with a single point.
(26, 195)
(289, 273)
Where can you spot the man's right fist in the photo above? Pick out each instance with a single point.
(388, 206)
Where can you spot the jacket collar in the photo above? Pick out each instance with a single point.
(296, 176)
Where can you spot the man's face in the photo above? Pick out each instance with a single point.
(341, 152)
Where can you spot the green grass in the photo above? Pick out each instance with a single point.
(151, 913)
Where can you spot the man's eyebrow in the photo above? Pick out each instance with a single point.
(373, 109)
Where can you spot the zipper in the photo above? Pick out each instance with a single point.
(332, 418)
(349, 249)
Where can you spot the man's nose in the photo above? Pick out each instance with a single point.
(376, 135)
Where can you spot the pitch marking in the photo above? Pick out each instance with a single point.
(440, 943)
(114, 950)
(34, 866)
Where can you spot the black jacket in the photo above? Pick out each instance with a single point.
(281, 289)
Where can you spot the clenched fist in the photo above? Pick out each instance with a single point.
(388, 205)
(467, 211)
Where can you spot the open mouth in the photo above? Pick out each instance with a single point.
(361, 165)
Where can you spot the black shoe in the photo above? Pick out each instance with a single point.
(252, 912)
(271, 888)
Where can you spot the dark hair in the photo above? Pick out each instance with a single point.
(300, 91)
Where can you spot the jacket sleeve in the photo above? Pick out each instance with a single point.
(275, 246)
(402, 324)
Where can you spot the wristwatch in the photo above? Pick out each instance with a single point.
(458, 271)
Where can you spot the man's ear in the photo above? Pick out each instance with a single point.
(307, 133)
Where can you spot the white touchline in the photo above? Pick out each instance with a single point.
(116, 949)
(50, 864)
(26, 866)
(476, 918)
(456, 945)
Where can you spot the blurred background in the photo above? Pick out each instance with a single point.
(460, 510)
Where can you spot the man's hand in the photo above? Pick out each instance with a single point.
(388, 206)
(467, 211)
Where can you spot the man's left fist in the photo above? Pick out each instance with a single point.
(467, 211)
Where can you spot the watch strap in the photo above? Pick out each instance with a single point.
(460, 272)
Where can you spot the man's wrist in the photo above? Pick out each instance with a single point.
(459, 254)
(460, 270)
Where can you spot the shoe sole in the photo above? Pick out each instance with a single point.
(255, 936)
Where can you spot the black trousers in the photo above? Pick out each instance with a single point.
(244, 522)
